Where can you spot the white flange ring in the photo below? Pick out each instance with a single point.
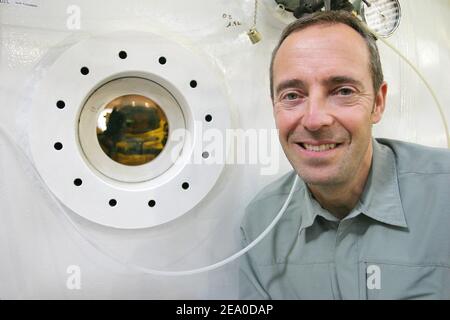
(70, 99)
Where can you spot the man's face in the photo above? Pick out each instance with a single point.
(324, 103)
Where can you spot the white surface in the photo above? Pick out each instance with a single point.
(37, 243)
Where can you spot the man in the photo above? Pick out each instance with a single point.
(370, 218)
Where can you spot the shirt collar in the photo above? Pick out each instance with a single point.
(311, 209)
(380, 199)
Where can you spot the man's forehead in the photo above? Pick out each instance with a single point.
(324, 46)
(324, 35)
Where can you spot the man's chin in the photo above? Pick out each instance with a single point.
(320, 179)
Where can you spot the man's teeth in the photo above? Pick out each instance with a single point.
(322, 147)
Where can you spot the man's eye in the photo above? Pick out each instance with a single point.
(345, 91)
(291, 96)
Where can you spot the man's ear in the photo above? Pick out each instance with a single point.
(380, 103)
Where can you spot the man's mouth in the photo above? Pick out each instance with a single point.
(319, 147)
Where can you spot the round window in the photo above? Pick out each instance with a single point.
(132, 129)
(126, 127)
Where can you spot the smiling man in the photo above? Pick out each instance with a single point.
(370, 218)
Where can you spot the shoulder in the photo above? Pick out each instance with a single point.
(412, 158)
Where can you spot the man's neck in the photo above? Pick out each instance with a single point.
(339, 200)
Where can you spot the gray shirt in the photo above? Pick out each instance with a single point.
(395, 243)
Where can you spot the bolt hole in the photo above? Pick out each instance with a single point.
(58, 146)
(162, 60)
(84, 70)
(151, 203)
(185, 185)
(113, 202)
(208, 118)
(60, 104)
(78, 182)
(122, 55)
(193, 84)
(205, 154)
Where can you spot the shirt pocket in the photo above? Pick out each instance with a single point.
(396, 281)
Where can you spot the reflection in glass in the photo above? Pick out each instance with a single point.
(132, 130)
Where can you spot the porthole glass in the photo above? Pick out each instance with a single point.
(132, 129)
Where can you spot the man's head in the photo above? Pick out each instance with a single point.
(330, 18)
(327, 90)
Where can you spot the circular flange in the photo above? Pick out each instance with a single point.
(64, 141)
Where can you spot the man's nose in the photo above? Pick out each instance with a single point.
(316, 114)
